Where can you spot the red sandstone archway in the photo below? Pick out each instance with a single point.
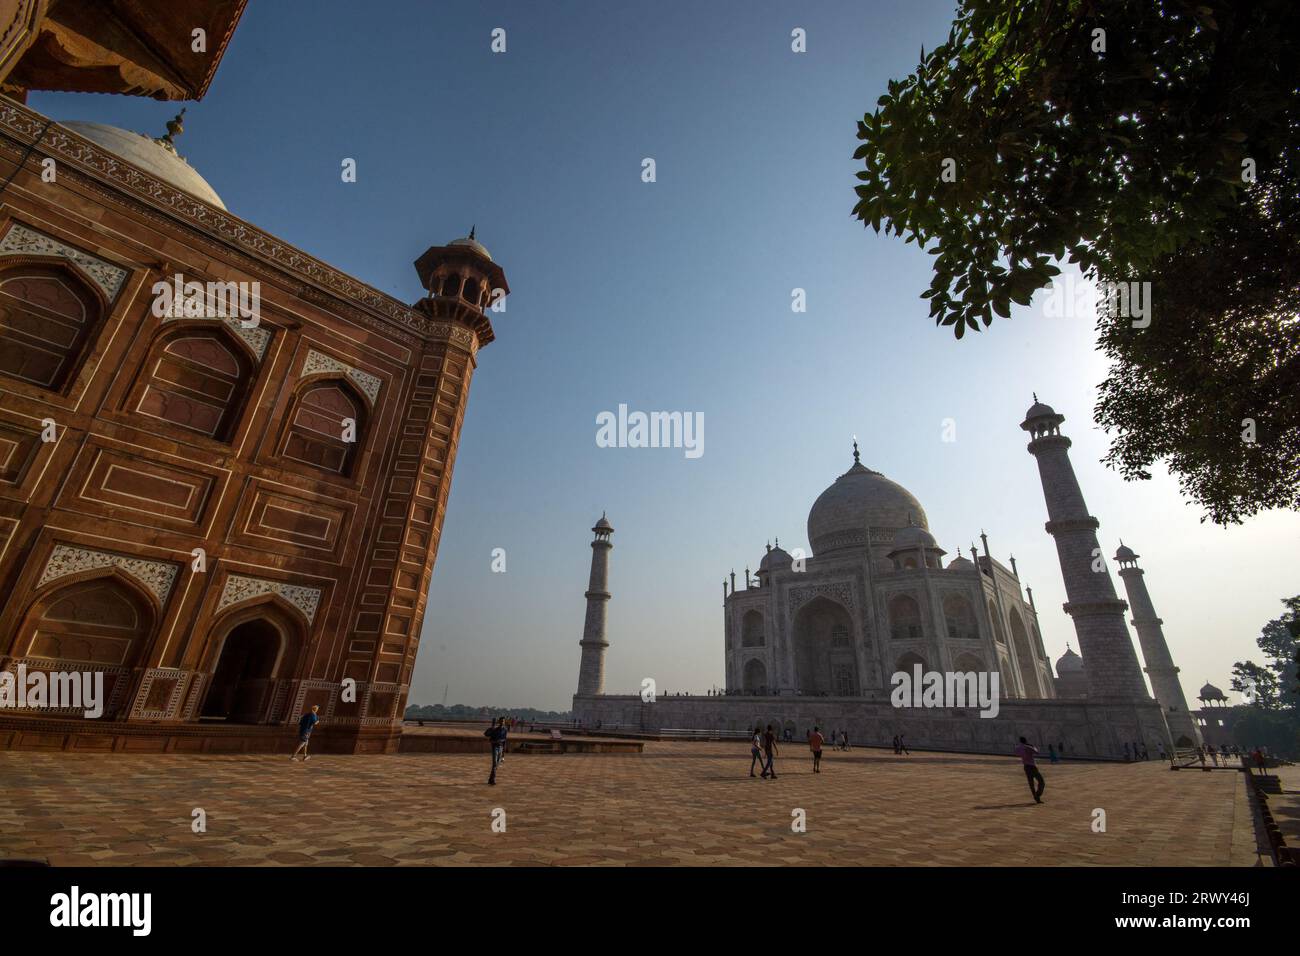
(101, 620)
(251, 653)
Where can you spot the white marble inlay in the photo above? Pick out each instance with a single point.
(21, 240)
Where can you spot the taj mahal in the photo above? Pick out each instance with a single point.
(815, 639)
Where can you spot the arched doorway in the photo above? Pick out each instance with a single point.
(825, 662)
(755, 678)
(241, 686)
(1024, 658)
(100, 624)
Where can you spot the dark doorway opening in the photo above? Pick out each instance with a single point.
(243, 679)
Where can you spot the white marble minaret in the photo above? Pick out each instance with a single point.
(1155, 651)
(1097, 612)
(591, 672)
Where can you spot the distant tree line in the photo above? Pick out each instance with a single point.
(465, 712)
(1272, 714)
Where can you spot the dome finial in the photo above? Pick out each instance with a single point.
(175, 126)
(856, 459)
(471, 232)
(1035, 394)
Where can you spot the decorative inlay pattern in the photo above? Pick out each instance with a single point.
(239, 588)
(175, 696)
(21, 240)
(319, 362)
(257, 337)
(157, 576)
(837, 590)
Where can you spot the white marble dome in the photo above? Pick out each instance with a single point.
(1069, 662)
(860, 499)
(474, 244)
(151, 156)
(914, 537)
(776, 559)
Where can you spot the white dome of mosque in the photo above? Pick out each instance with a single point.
(860, 499)
(914, 537)
(1125, 553)
(150, 155)
(1069, 662)
(960, 563)
(776, 559)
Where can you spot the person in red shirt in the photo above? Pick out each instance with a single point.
(1026, 754)
(815, 741)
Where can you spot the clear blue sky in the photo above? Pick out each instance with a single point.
(672, 296)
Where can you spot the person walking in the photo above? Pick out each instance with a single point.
(815, 741)
(496, 735)
(756, 752)
(896, 750)
(1026, 753)
(769, 751)
(306, 724)
(902, 745)
(1051, 753)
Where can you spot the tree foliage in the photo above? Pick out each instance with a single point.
(1150, 141)
(1273, 717)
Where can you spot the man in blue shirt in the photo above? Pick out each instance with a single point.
(496, 735)
(306, 724)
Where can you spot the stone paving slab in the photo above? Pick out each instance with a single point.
(677, 804)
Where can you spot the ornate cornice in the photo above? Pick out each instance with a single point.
(1048, 441)
(1077, 608)
(322, 283)
(1072, 524)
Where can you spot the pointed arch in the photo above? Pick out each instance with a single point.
(905, 618)
(1025, 659)
(825, 661)
(49, 314)
(196, 376)
(959, 618)
(252, 653)
(316, 427)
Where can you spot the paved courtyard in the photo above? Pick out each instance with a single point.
(677, 803)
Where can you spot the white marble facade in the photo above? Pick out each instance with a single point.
(876, 597)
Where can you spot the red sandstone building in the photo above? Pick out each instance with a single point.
(231, 521)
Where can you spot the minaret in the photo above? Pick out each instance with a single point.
(1097, 612)
(591, 672)
(1155, 650)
